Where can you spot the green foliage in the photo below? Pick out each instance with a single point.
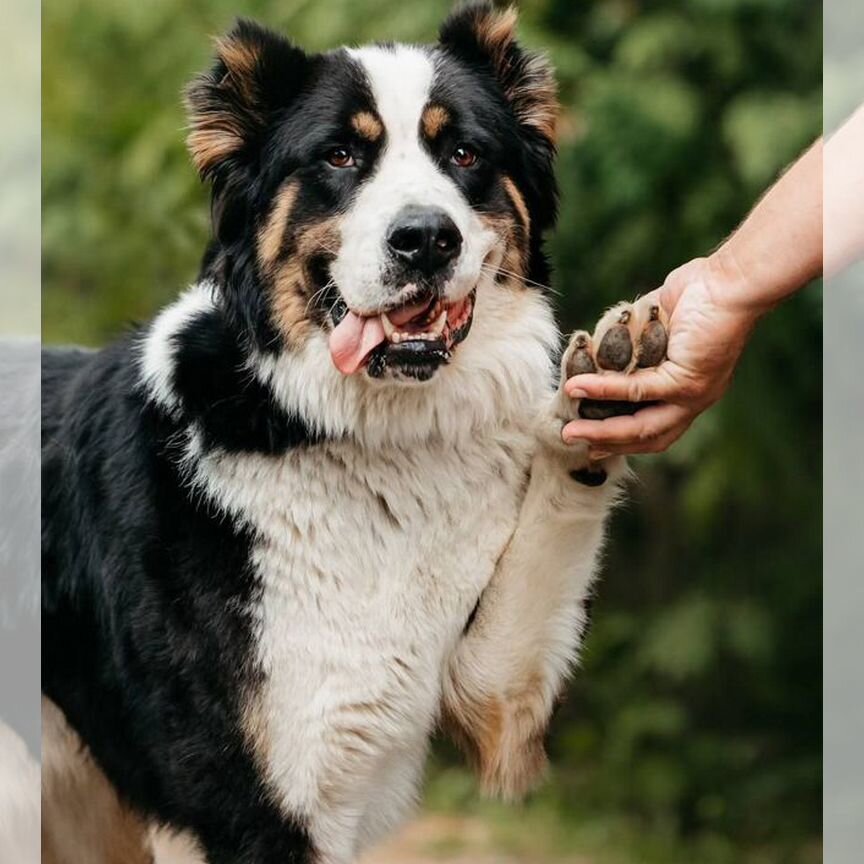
(693, 731)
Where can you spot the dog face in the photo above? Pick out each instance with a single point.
(369, 193)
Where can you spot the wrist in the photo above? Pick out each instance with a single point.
(743, 289)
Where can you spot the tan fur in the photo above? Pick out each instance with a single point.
(289, 303)
(502, 738)
(434, 119)
(514, 262)
(213, 141)
(256, 728)
(82, 818)
(518, 202)
(271, 235)
(240, 58)
(367, 126)
(216, 135)
(535, 99)
(496, 31)
(290, 295)
(290, 300)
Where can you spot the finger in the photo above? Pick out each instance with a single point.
(627, 431)
(672, 288)
(651, 445)
(640, 448)
(643, 385)
(658, 445)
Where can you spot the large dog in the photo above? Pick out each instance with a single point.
(305, 514)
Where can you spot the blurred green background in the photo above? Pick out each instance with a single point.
(693, 731)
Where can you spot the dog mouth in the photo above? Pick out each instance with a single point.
(411, 340)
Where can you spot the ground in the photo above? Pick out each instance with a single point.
(430, 839)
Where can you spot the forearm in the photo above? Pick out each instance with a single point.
(778, 247)
(844, 203)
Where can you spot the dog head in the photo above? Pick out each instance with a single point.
(371, 193)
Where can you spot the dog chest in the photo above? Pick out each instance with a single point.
(369, 568)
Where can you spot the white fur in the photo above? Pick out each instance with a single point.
(401, 79)
(157, 349)
(354, 588)
(373, 549)
(497, 376)
(19, 800)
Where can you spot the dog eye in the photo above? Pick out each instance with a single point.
(463, 156)
(340, 157)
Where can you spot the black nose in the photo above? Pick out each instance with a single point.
(424, 238)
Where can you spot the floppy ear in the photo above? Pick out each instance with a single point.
(256, 73)
(482, 35)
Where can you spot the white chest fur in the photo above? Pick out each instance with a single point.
(371, 553)
(370, 565)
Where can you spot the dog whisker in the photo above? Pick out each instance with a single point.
(494, 271)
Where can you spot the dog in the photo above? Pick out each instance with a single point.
(320, 504)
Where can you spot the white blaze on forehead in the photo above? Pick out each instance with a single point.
(401, 80)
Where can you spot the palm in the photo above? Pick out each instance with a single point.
(706, 336)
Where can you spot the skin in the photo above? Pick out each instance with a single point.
(844, 204)
(713, 303)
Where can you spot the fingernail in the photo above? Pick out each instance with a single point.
(598, 455)
(576, 393)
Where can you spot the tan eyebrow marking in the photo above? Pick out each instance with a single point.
(434, 119)
(367, 125)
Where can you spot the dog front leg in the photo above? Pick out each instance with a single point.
(509, 668)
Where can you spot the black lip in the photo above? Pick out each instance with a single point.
(338, 310)
(417, 358)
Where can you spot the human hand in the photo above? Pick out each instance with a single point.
(711, 313)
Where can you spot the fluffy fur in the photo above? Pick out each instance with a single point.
(266, 581)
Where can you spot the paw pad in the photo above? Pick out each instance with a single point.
(652, 341)
(629, 336)
(616, 348)
(581, 359)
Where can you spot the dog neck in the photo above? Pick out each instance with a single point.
(197, 371)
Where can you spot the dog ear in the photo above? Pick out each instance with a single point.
(256, 73)
(482, 35)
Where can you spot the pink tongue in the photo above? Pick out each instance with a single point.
(354, 336)
(352, 339)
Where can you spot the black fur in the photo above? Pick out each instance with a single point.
(145, 628)
(231, 410)
(147, 590)
(474, 86)
(306, 102)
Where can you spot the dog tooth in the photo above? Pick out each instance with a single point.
(387, 324)
(438, 324)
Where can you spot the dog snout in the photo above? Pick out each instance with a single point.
(424, 239)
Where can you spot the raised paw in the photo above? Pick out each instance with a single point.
(629, 336)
